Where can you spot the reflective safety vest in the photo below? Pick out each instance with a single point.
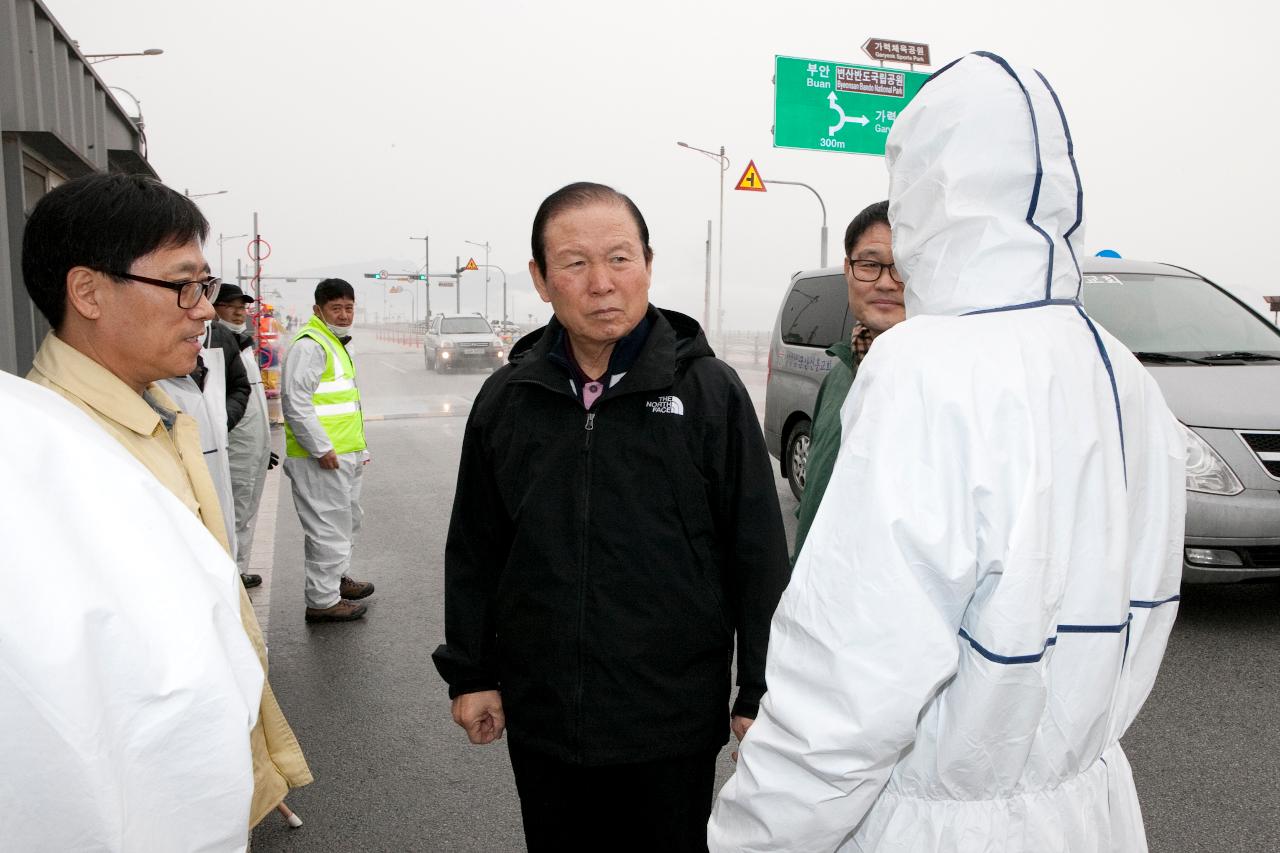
(336, 398)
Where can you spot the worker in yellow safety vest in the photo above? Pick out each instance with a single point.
(325, 452)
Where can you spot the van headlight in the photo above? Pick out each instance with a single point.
(1206, 471)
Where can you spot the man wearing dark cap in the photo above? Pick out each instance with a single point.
(249, 442)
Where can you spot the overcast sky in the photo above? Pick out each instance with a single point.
(350, 127)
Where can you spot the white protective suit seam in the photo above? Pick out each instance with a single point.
(1066, 628)
(901, 794)
(1035, 191)
(1075, 170)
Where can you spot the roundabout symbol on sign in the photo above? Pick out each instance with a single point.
(256, 247)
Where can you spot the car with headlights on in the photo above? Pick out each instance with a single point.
(460, 341)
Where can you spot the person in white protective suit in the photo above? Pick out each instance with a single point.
(128, 686)
(206, 402)
(325, 452)
(983, 601)
(249, 442)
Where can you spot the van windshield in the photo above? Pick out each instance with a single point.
(464, 326)
(1175, 315)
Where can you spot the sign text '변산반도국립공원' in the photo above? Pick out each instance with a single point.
(838, 106)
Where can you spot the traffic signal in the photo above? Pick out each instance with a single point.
(418, 277)
(373, 275)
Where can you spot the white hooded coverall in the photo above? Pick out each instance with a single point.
(128, 686)
(208, 406)
(249, 452)
(328, 501)
(983, 600)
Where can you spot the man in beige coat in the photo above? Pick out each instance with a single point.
(115, 264)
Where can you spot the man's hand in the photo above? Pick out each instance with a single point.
(329, 461)
(739, 725)
(481, 715)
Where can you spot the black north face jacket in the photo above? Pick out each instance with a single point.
(600, 563)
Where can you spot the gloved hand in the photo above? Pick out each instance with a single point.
(273, 461)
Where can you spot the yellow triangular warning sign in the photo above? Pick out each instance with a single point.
(751, 179)
(471, 264)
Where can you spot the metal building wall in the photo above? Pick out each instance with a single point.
(57, 119)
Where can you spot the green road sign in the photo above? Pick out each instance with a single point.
(838, 106)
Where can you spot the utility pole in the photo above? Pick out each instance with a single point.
(724, 167)
(706, 290)
(485, 246)
(457, 283)
(257, 280)
(426, 270)
(723, 163)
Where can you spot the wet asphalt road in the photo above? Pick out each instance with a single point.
(394, 774)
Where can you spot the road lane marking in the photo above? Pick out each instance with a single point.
(400, 416)
(385, 363)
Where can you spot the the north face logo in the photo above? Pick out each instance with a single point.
(666, 406)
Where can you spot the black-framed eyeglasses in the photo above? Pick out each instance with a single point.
(871, 270)
(189, 292)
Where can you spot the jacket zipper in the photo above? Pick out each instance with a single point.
(582, 578)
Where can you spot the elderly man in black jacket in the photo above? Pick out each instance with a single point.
(615, 525)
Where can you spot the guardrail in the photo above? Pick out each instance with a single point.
(739, 346)
(405, 334)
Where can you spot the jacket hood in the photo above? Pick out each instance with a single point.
(691, 342)
(984, 195)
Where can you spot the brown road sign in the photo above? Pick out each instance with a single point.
(888, 50)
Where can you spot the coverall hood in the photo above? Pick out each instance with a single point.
(985, 214)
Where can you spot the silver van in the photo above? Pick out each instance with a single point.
(814, 316)
(1216, 360)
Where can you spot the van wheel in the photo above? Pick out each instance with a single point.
(798, 457)
(426, 355)
(440, 364)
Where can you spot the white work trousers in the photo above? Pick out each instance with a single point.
(249, 452)
(328, 504)
(246, 487)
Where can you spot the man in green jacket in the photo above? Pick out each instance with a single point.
(875, 300)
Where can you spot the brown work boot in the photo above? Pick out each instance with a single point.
(353, 589)
(343, 611)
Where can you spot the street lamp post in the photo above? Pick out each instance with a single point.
(95, 58)
(485, 246)
(137, 103)
(820, 204)
(724, 167)
(221, 258)
(504, 287)
(190, 194)
(426, 270)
